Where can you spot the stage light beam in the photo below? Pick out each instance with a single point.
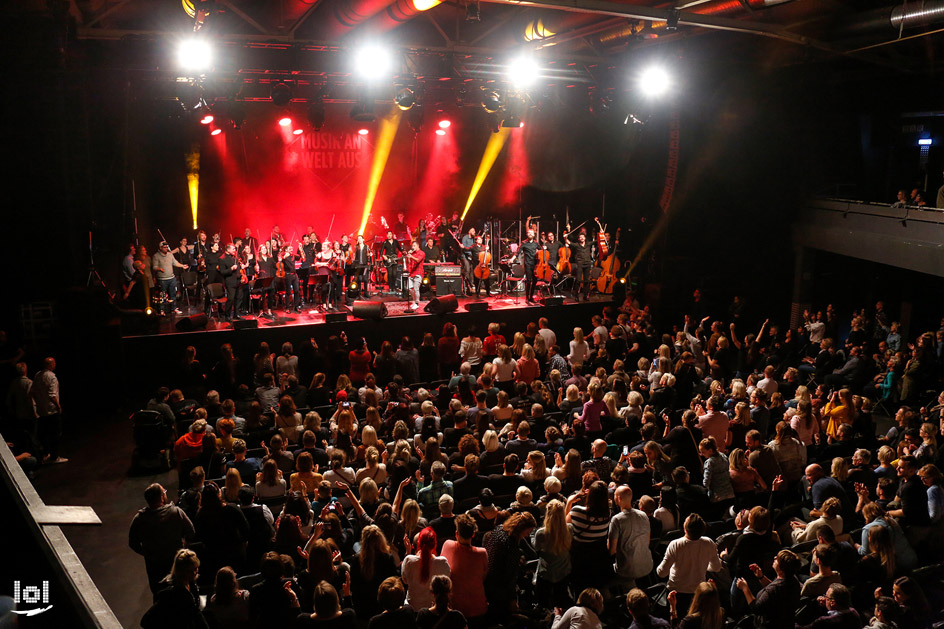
(495, 144)
(523, 72)
(440, 132)
(216, 131)
(444, 124)
(373, 62)
(193, 181)
(389, 125)
(285, 122)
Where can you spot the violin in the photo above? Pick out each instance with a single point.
(610, 266)
(482, 270)
(543, 270)
(280, 267)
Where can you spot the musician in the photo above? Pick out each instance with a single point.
(136, 294)
(290, 280)
(306, 255)
(322, 270)
(229, 270)
(265, 264)
(582, 261)
(127, 266)
(163, 264)
(277, 237)
(455, 223)
(213, 264)
(468, 263)
(362, 260)
(347, 254)
(248, 239)
(200, 250)
(553, 248)
(391, 250)
(247, 268)
(431, 250)
(420, 234)
(478, 249)
(400, 228)
(528, 254)
(414, 268)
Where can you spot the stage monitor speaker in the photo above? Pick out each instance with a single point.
(448, 285)
(335, 317)
(553, 301)
(191, 323)
(442, 305)
(246, 324)
(370, 309)
(477, 306)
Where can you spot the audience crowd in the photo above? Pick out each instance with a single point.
(704, 476)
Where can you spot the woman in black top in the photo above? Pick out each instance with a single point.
(705, 611)
(440, 615)
(178, 604)
(328, 612)
(369, 568)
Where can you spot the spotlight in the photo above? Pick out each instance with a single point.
(148, 311)
(363, 131)
(444, 124)
(352, 286)
(491, 102)
(415, 119)
(522, 72)
(281, 94)
(426, 280)
(473, 12)
(297, 132)
(373, 62)
(216, 131)
(405, 98)
(440, 132)
(362, 112)
(654, 81)
(194, 54)
(285, 122)
(207, 119)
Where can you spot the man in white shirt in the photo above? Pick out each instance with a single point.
(769, 382)
(548, 334)
(688, 559)
(629, 542)
(45, 393)
(815, 326)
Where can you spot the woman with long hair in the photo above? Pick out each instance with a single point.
(502, 411)
(740, 425)
(552, 543)
(262, 363)
(288, 419)
(306, 473)
(229, 605)
(528, 367)
(440, 613)
(418, 569)
(504, 562)
(408, 361)
(448, 351)
(178, 604)
(269, 482)
(584, 615)
(535, 469)
(659, 461)
(231, 485)
(880, 565)
(806, 424)
(328, 611)
(579, 349)
(705, 611)
(369, 568)
(427, 356)
(517, 344)
(504, 370)
(568, 470)
(590, 521)
(839, 410)
(790, 454)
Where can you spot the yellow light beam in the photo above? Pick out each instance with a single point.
(492, 150)
(388, 131)
(193, 184)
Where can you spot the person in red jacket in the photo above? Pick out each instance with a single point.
(194, 443)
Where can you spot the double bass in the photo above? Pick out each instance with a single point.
(482, 270)
(609, 266)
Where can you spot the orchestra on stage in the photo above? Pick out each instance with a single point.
(252, 275)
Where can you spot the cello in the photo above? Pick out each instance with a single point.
(543, 271)
(482, 270)
(609, 266)
(603, 245)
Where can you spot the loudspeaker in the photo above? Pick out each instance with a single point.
(553, 301)
(477, 306)
(246, 324)
(191, 323)
(448, 285)
(442, 305)
(335, 317)
(369, 310)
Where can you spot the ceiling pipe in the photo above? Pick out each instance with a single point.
(349, 14)
(398, 12)
(896, 18)
(623, 32)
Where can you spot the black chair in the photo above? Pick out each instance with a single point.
(218, 298)
(189, 282)
(153, 442)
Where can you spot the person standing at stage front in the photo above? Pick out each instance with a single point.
(415, 270)
(582, 257)
(391, 250)
(528, 254)
(45, 394)
(163, 264)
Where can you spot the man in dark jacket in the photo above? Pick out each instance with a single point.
(157, 532)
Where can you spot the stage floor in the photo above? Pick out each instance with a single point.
(397, 307)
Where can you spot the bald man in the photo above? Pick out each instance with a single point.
(629, 542)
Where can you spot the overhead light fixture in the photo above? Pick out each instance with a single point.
(207, 119)
(373, 62)
(298, 131)
(285, 122)
(415, 119)
(491, 101)
(445, 124)
(671, 23)
(405, 98)
(195, 53)
(654, 81)
(473, 12)
(316, 114)
(281, 94)
(363, 131)
(440, 132)
(362, 112)
(925, 142)
(522, 72)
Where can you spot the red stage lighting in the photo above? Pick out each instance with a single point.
(440, 132)
(207, 119)
(363, 132)
(297, 132)
(216, 132)
(444, 124)
(285, 122)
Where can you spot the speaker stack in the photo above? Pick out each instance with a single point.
(375, 310)
(442, 305)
